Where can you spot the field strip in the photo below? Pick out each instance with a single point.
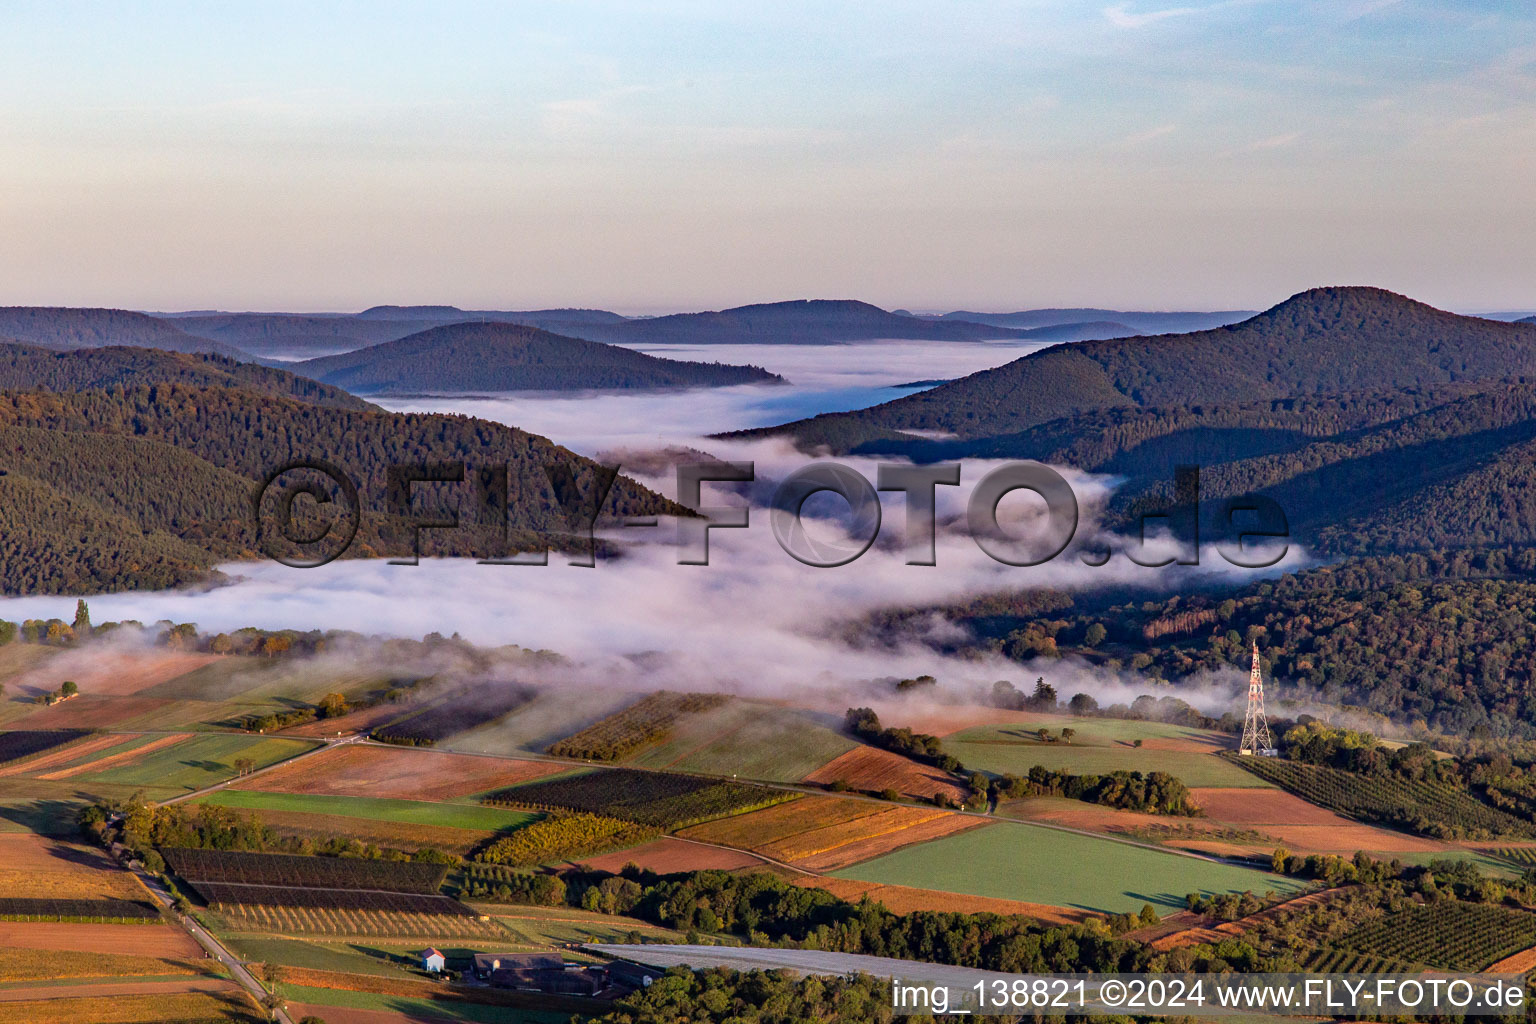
(899, 823)
(36, 993)
(1515, 963)
(114, 760)
(67, 752)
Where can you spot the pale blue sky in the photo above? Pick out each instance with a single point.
(648, 156)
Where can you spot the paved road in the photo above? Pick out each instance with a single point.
(217, 949)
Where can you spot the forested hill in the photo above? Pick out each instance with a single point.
(25, 367)
(1327, 341)
(800, 322)
(145, 487)
(1527, 320)
(65, 328)
(511, 357)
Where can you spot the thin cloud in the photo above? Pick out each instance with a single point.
(1275, 141)
(1121, 17)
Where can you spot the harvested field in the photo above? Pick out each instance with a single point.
(407, 774)
(143, 1003)
(36, 867)
(123, 674)
(753, 739)
(27, 964)
(136, 939)
(667, 855)
(93, 711)
(40, 763)
(865, 843)
(1303, 827)
(774, 824)
(393, 834)
(1100, 746)
(1515, 963)
(901, 899)
(871, 768)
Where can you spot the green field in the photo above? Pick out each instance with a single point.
(479, 817)
(1101, 745)
(198, 762)
(536, 928)
(421, 1009)
(754, 740)
(1016, 861)
(351, 958)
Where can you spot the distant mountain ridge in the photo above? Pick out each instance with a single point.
(796, 322)
(513, 357)
(1138, 322)
(69, 328)
(28, 367)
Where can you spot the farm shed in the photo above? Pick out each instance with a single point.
(432, 960)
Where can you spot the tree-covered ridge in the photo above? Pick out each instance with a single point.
(155, 483)
(511, 357)
(71, 328)
(1320, 342)
(1442, 640)
(24, 367)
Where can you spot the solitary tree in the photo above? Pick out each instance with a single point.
(333, 705)
(1094, 636)
(69, 689)
(82, 617)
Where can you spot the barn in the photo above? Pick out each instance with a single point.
(432, 960)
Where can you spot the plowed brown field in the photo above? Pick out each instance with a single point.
(871, 768)
(406, 774)
(394, 834)
(1304, 827)
(121, 674)
(92, 711)
(862, 846)
(138, 939)
(775, 824)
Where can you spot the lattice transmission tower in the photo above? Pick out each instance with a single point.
(1256, 739)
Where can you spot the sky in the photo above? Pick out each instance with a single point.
(656, 156)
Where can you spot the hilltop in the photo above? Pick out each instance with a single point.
(512, 357)
(66, 328)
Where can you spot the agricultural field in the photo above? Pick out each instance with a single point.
(76, 879)
(282, 919)
(873, 770)
(150, 940)
(200, 761)
(641, 725)
(540, 928)
(668, 855)
(564, 837)
(279, 869)
(1521, 856)
(17, 745)
(547, 718)
(17, 965)
(376, 1008)
(1452, 935)
(1100, 746)
(370, 770)
(820, 834)
(1393, 801)
(394, 835)
(1031, 864)
(454, 713)
(154, 1007)
(223, 894)
(1302, 827)
(650, 798)
(476, 817)
(753, 739)
(900, 899)
(115, 751)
